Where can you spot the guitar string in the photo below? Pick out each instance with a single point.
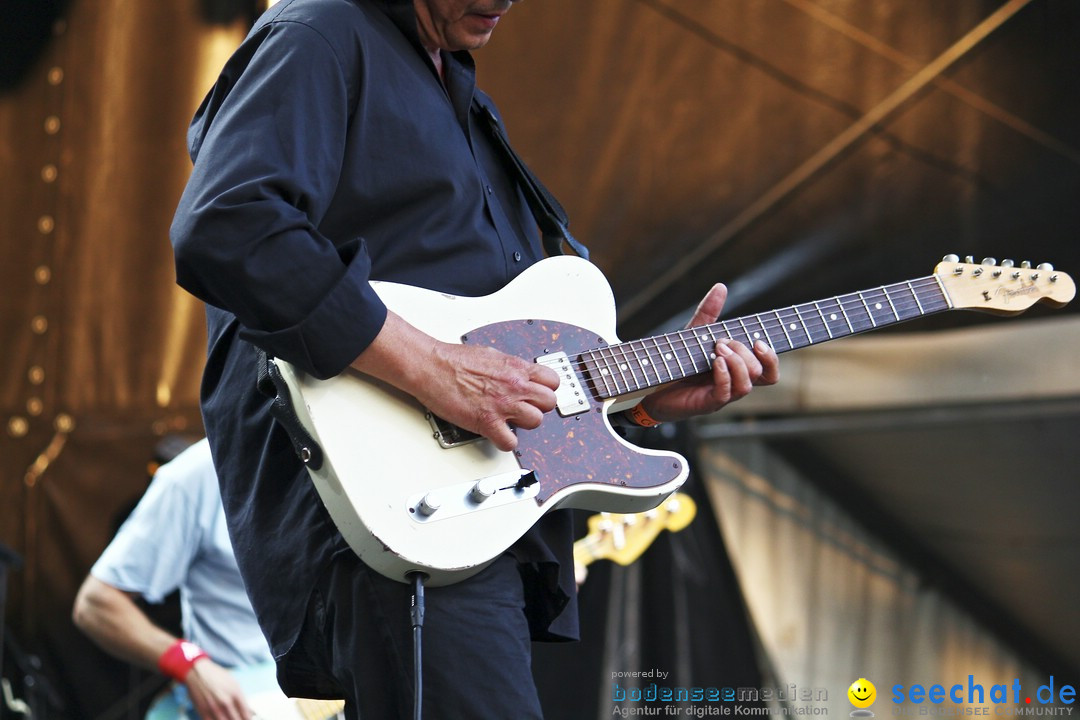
(770, 320)
(809, 316)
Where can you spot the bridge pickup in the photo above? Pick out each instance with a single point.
(570, 396)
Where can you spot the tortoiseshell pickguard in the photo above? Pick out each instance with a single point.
(566, 451)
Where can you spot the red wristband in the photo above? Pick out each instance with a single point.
(639, 415)
(177, 661)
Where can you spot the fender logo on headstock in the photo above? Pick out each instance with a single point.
(1007, 294)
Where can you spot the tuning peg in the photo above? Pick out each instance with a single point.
(969, 259)
(950, 258)
(1045, 267)
(1026, 264)
(989, 261)
(1007, 263)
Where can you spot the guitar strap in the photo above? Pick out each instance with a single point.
(271, 383)
(549, 214)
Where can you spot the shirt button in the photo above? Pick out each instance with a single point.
(517, 257)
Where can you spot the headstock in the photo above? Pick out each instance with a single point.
(622, 538)
(1002, 289)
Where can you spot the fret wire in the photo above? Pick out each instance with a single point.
(730, 335)
(941, 289)
(765, 330)
(806, 330)
(746, 331)
(635, 362)
(609, 378)
(593, 372)
(664, 356)
(669, 337)
(647, 362)
(701, 344)
(783, 329)
(878, 306)
(625, 365)
(597, 375)
(915, 296)
(820, 321)
(889, 298)
(843, 312)
(660, 354)
(690, 354)
(612, 367)
(616, 372)
(793, 326)
(868, 313)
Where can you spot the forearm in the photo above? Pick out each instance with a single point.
(477, 388)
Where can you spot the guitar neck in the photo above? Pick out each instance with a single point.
(642, 365)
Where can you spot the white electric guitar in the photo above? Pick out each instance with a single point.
(410, 492)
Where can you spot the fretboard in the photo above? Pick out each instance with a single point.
(644, 364)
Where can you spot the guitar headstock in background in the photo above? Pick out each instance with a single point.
(1002, 289)
(622, 538)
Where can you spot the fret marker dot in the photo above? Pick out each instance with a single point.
(757, 335)
(792, 326)
(877, 306)
(645, 362)
(622, 367)
(603, 371)
(667, 356)
(832, 316)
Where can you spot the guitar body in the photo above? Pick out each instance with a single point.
(408, 496)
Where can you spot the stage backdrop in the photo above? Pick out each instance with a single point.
(102, 353)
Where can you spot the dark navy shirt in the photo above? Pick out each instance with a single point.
(329, 153)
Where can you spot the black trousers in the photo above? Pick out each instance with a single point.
(476, 647)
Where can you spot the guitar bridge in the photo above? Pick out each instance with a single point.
(449, 435)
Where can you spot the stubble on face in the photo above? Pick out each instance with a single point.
(457, 24)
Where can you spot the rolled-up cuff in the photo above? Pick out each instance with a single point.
(335, 332)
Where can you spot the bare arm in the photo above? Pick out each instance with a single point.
(111, 618)
(479, 389)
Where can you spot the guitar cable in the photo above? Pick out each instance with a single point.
(416, 612)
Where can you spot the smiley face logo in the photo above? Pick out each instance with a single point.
(862, 693)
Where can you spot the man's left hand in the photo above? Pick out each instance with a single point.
(735, 371)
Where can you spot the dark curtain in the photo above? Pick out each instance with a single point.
(677, 609)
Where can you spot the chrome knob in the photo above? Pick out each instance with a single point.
(429, 504)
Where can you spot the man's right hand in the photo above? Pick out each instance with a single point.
(477, 388)
(215, 692)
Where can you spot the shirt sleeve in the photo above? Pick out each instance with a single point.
(153, 549)
(269, 144)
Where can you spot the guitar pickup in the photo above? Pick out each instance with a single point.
(449, 435)
(570, 396)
